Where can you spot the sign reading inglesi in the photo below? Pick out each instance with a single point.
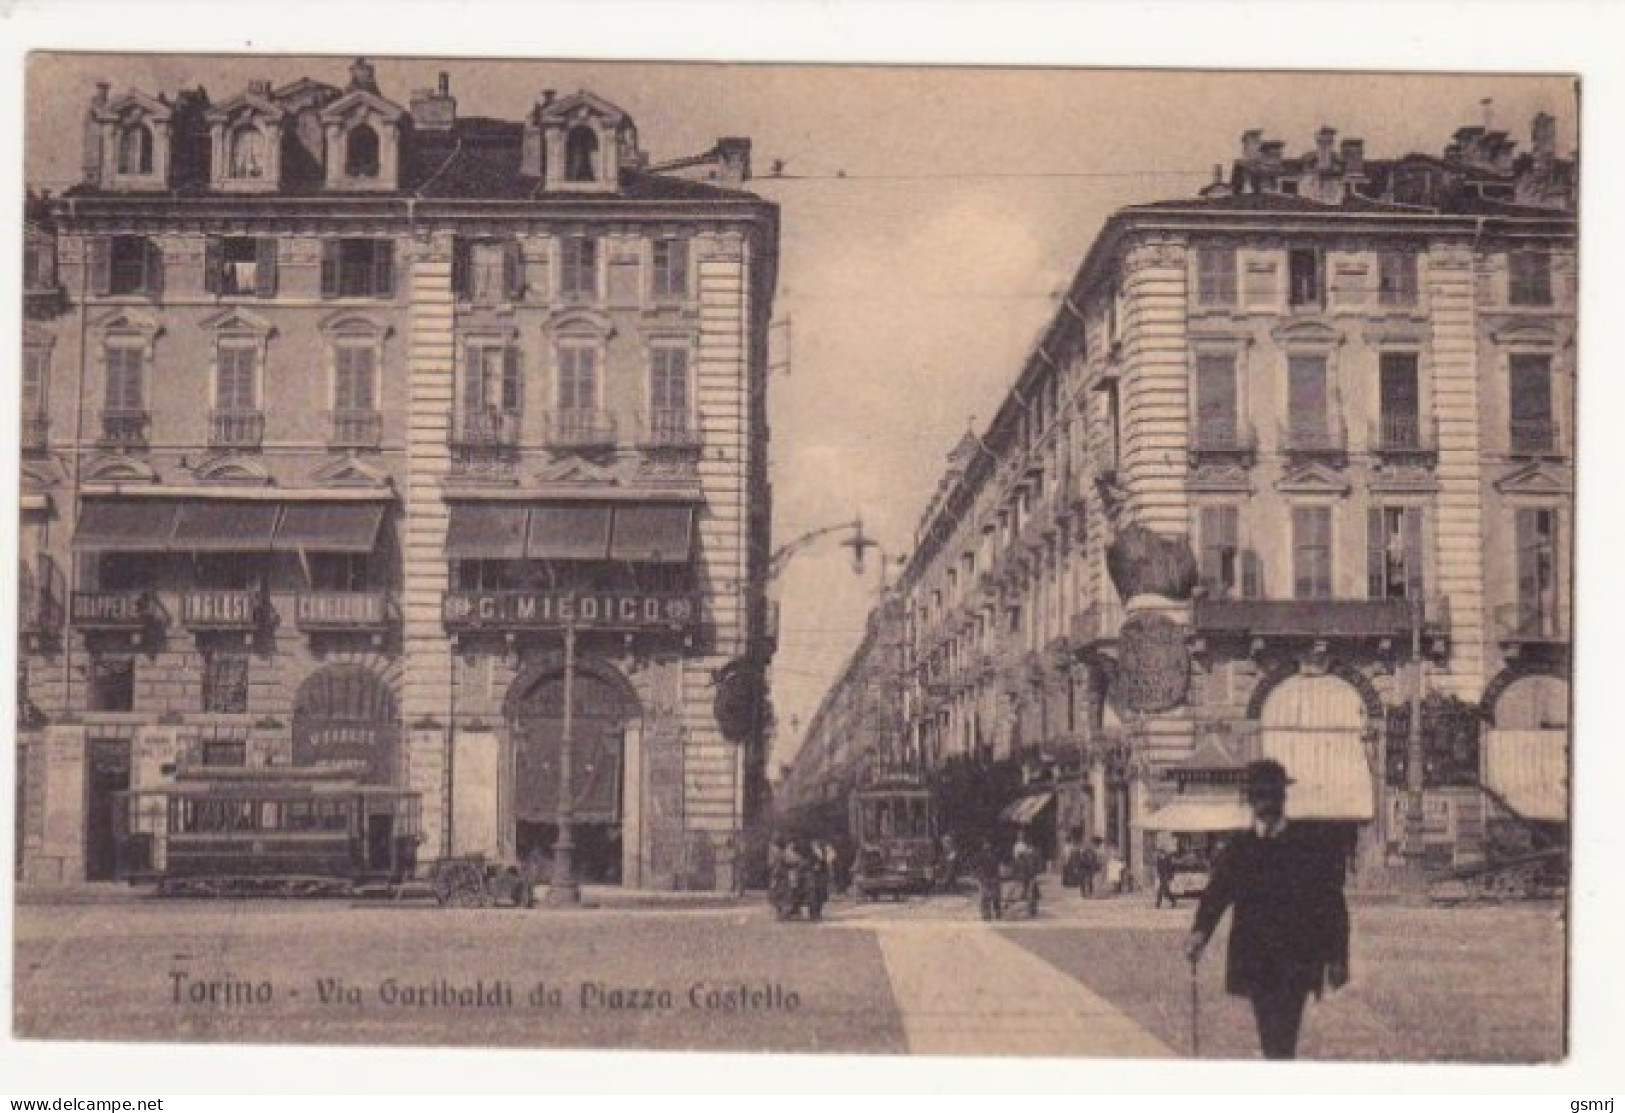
(1153, 665)
(554, 610)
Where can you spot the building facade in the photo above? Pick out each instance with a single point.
(341, 414)
(1292, 462)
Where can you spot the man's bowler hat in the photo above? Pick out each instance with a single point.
(1266, 776)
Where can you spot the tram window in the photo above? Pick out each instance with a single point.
(297, 816)
(270, 815)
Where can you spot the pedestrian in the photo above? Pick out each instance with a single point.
(986, 865)
(1089, 864)
(1114, 870)
(1165, 878)
(1026, 865)
(1071, 855)
(1290, 935)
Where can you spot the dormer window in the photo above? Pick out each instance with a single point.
(581, 155)
(361, 152)
(248, 158)
(135, 149)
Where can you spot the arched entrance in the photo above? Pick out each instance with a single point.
(346, 714)
(603, 709)
(1314, 725)
(1526, 763)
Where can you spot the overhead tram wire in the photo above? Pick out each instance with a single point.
(976, 175)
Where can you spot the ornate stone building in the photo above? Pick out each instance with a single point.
(341, 412)
(1287, 450)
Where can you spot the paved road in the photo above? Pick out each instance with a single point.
(1098, 978)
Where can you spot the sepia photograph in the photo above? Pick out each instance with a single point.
(892, 560)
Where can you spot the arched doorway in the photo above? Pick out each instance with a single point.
(1526, 766)
(603, 709)
(346, 714)
(1314, 726)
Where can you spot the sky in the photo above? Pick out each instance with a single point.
(930, 216)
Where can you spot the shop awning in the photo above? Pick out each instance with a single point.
(1329, 771)
(1528, 770)
(1027, 808)
(478, 531)
(329, 527)
(653, 534)
(208, 526)
(124, 526)
(568, 533)
(1195, 816)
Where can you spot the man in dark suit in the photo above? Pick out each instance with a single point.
(1290, 935)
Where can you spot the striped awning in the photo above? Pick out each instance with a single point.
(1529, 771)
(1331, 778)
(1027, 808)
(1202, 815)
(216, 525)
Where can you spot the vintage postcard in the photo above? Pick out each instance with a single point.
(843, 559)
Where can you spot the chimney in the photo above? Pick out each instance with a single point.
(1250, 141)
(100, 99)
(90, 140)
(362, 77)
(260, 88)
(532, 151)
(1323, 148)
(1543, 139)
(1353, 157)
(436, 110)
(1270, 152)
(733, 161)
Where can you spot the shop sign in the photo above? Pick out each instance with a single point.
(555, 610)
(1153, 665)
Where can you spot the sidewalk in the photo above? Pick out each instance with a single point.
(592, 896)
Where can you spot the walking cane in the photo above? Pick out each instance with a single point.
(1196, 1012)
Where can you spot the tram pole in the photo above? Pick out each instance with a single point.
(564, 889)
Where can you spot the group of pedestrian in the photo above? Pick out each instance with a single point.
(1024, 867)
(1094, 868)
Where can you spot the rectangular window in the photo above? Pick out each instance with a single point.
(579, 277)
(1216, 276)
(225, 683)
(125, 372)
(112, 684)
(240, 266)
(1307, 400)
(225, 753)
(491, 382)
(1221, 551)
(1312, 552)
(355, 381)
(236, 385)
(578, 379)
(1217, 420)
(36, 380)
(1529, 278)
(1399, 401)
(1304, 286)
(668, 384)
(671, 269)
(340, 571)
(1394, 553)
(1535, 534)
(1533, 429)
(488, 272)
(1396, 278)
(132, 266)
(358, 268)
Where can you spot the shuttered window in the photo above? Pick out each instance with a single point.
(125, 265)
(1312, 552)
(1396, 278)
(578, 379)
(1394, 560)
(354, 378)
(1221, 549)
(125, 371)
(236, 385)
(1535, 535)
(491, 379)
(358, 268)
(1216, 276)
(579, 272)
(36, 379)
(671, 268)
(1529, 278)
(225, 682)
(1216, 410)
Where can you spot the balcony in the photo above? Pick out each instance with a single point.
(1084, 627)
(669, 429)
(1326, 439)
(1400, 436)
(36, 433)
(223, 609)
(344, 611)
(483, 439)
(236, 429)
(125, 429)
(581, 429)
(1223, 440)
(1317, 619)
(39, 606)
(1528, 627)
(355, 429)
(1534, 438)
(113, 610)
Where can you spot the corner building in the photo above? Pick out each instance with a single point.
(341, 412)
(1288, 450)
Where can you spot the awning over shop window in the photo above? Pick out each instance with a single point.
(124, 526)
(208, 526)
(1328, 766)
(319, 527)
(653, 534)
(568, 533)
(1528, 770)
(1026, 809)
(480, 531)
(1197, 816)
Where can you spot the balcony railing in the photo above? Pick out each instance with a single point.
(1532, 624)
(484, 429)
(125, 428)
(223, 609)
(670, 429)
(1533, 438)
(236, 428)
(1223, 438)
(1317, 618)
(344, 610)
(36, 432)
(1315, 438)
(355, 429)
(581, 428)
(1403, 435)
(112, 610)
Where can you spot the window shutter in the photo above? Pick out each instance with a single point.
(383, 268)
(153, 272)
(1252, 576)
(364, 361)
(513, 271)
(461, 286)
(330, 268)
(101, 266)
(265, 266)
(512, 393)
(1211, 571)
(473, 380)
(213, 264)
(1415, 583)
(1528, 544)
(1376, 548)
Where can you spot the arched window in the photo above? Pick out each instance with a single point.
(581, 155)
(135, 150)
(247, 152)
(361, 152)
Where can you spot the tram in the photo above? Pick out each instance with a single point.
(894, 822)
(268, 832)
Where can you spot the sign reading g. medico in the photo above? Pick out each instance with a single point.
(555, 610)
(1153, 665)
